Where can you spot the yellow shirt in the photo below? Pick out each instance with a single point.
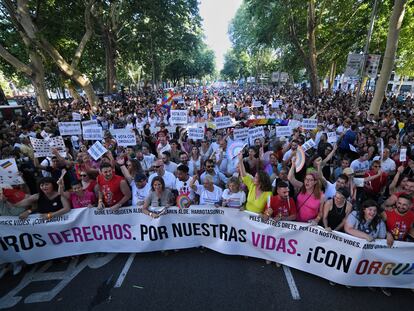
(256, 205)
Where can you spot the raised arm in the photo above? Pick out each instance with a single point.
(124, 170)
(330, 155)
(242, 169)
(291, 176)
(393, 185)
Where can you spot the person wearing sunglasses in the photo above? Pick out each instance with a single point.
(182, 182)
(219, 179)
(159, 170)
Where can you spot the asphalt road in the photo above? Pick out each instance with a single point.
(192, 279)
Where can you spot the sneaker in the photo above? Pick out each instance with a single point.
(268, 262)
(386, 291)
(347, 286)
(372, 289)
(332, 283)
(278, 265)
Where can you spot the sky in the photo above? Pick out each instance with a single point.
(217, 15)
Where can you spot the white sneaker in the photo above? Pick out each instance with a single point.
(278, 265)
(386, 291)
(268, 262)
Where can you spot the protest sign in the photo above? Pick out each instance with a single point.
(257, 104)
(332, 137)
(308, 144)
(196, 133)
(294, 124)
(283, 131)
(309, 124)
(217, 107)
(241, 134)
(124, 137)
(403, 154)
(97, 150)
(178, 117)
(88, 123)
(9, 173)
(277, 103)
(335, 256)
(246, 110)
(223, 122)
(76, 116)
(69, 128)
(92, 133)
(43, 147)
(256, 132)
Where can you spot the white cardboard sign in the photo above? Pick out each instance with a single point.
(308, 144)
(309, 124)
(256, 132)
(332, 137)
(241, 134)
(97, 150)
(9, 173)
(223, 122)
(124, 137)
(76, 116)
(178, 117)
(196, 133)
(92, 133)
(283, 131)
(69, 128)
(89, 123)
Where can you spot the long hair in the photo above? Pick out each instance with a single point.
(264, 181)
(317, 192)
(376, 220)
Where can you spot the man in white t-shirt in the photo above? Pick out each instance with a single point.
(148, 158)
(140, 189)
(387, 165)
(209, 193)
(360, 165)
(169, 178)
(163, 144)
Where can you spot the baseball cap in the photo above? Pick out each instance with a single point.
(140, 177)
(348, 171)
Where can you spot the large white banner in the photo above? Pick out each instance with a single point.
(332, 255)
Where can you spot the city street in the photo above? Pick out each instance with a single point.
(185, 280)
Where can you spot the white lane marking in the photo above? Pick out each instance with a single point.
(124, 271)
(291, 281)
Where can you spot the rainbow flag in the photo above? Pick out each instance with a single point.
(6, 164)
(257, 122)
(168, 99)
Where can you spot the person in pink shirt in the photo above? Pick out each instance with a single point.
(78, 197)
(310, 198)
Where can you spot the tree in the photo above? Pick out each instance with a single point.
(19, 12)
(394, 28)
(307, 29)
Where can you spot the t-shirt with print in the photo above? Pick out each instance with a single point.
(234, 199)
(207, 197)
(399, 225)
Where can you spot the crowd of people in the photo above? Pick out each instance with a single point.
(362, 184)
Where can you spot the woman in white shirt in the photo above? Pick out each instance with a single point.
(233, 196)
(195, 159)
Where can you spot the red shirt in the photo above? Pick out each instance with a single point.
(110, 189)
(282, 207)
(375, 185)
(399, 225)
(14, 195)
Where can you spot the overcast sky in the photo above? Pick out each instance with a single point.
(216, 16)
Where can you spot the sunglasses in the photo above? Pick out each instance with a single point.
(83, 175)
(158, 166)
(210, 166)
